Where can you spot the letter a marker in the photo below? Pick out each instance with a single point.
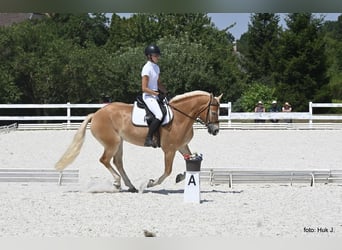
(192, 192)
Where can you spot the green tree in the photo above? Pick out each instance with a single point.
(60, 59)
(45, 67)
(81, 28)
(196, 54)
(185, 66)
(333, 40)
(256, 92)
(10, 93)
(302, 65)
(260, 53)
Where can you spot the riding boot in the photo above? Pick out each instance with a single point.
(152, 128)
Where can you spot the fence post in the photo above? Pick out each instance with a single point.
(229, 112)
(310, 111)
(68, 115)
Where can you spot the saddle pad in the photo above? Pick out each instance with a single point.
(138, 116)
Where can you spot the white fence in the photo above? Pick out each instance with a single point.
(68, 116)
(309, 116)
(236, 117)
(8, 128)
(244, 176)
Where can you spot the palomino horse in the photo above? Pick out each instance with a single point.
(111, 125)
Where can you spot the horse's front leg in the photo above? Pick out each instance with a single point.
(183, 150)
(168, 161)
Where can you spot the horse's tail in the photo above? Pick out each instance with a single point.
(75, 147)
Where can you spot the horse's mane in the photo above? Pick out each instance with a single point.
(189, 94)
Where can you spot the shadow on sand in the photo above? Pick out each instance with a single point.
(181, 191)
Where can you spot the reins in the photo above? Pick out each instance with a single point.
(196, 118)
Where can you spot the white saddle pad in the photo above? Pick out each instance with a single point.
(139, 116)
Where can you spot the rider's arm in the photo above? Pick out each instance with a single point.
(161, 87)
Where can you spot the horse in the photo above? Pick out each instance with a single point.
(111, 125)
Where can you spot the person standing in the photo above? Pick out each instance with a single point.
(274, 108)
(259, 108)
(287, 108)
(152, 88)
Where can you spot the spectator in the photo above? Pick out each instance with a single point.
(259, 108)
(274, 108)
(287, 108)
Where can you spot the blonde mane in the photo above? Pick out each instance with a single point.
(189, 94)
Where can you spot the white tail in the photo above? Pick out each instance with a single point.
(75, 147)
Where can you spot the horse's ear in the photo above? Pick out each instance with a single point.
(219, 97)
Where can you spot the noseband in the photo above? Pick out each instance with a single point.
(196, 118)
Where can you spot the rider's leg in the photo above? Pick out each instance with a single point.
(153, 105)
(152, 128)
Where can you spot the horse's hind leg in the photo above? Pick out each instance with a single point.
(117, 160)
(105, 160)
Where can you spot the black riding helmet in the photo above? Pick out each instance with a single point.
(152, 49)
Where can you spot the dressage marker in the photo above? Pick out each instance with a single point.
(192, 189)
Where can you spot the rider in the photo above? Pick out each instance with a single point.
(152, 88)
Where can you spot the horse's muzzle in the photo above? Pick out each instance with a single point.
(213, 129)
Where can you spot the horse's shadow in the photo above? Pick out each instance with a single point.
(164, 191)
(180, 191)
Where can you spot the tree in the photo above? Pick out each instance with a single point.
(262, 42)
(302, 65)
(333, 40)
(81, 28)
(10, 93)
(256, 92)
(67, 58)
(185, 66)
(193, 51)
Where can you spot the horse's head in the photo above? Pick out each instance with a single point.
(203, 110)
(210, 115)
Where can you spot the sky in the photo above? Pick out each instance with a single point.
(224, 20)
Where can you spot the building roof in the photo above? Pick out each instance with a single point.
(7, 19)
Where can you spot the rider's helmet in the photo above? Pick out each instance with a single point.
(152, 49)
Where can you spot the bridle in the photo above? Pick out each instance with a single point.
(207, 121)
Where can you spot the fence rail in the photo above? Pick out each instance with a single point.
(8, 128)
(39, 175)
(244, 176)
(229, 117)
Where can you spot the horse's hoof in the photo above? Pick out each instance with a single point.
(180, 177)
(133, 190)
(117, 187)
(150, 183)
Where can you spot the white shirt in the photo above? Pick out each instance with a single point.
(151, 70)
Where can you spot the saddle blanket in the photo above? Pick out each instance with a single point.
(139, 116)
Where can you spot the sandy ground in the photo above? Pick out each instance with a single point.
(260, 210)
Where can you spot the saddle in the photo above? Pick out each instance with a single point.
(142, 116)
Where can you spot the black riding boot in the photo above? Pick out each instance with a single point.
(152, 128)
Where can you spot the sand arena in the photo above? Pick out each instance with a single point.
(30, 210)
